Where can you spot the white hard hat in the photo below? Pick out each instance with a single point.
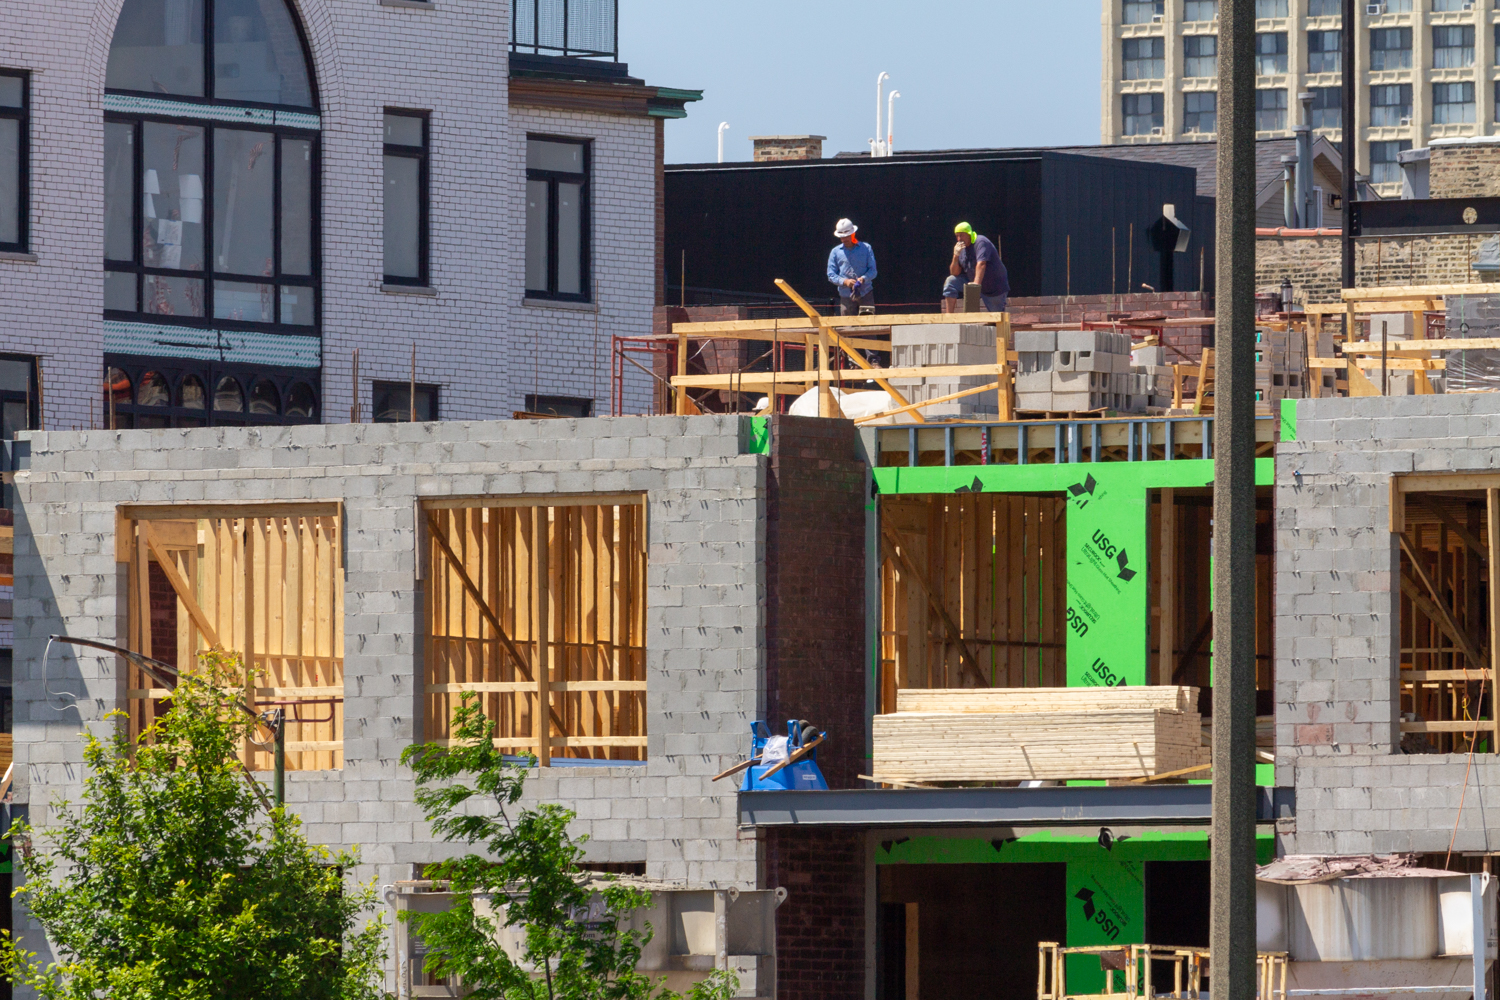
(845, 228)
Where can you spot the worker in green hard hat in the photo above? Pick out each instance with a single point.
(975, 261)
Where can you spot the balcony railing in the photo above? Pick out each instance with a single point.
(586, 28)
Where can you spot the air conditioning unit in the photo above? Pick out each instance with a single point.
(1406, 120)
(1157, 130)
(1159, 18)
(1374, 9)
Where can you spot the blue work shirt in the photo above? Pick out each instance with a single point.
(857, 261)
(996, 281)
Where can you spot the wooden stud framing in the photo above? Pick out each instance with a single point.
(264, 581)
(1167, 628)
(540, 611)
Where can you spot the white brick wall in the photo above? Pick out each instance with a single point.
(474, 337)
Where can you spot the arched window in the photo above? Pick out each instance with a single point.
(264, 399)
(211, 180)
(300, 402)
(191, 395)
(153, 391)
(228, 396)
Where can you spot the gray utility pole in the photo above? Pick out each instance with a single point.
(1346, 121)
(1232, 851)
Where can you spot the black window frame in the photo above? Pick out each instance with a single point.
(423, 156)
(1154, 58)
(1283, 107)
(1402, 145)
(1326, 100)
(585, 216)
(209, 275)
(1157, 114)
(1467, 41)
(1380, 35)
(22, 115)
(1196, 123)
(1324, 37)
(543, 404)
(1404, 91)
(1277, 49)
(1471, 101)
(175, 371)
(433, 389)
(1190, 42)
(209, 77)
(1324, 12)
(29, 397)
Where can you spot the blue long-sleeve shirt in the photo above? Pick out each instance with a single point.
(857, 262)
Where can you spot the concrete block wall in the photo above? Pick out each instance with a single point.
(705, 600)
(1313, 264)
(1336, 598)
(476, 337)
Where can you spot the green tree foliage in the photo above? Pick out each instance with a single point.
(167, 882)
(572, 935)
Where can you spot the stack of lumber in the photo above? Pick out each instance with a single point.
(1019, 734)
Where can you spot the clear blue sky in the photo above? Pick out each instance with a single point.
(985, 73)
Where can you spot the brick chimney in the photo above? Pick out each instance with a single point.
(769, 148)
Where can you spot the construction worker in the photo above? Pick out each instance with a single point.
(975, 261)
(851, 267)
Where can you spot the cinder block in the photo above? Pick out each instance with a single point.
(1036, 340)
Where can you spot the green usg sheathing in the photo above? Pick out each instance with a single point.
(1105, 894)
(756, 435)
(1288, 420)
(1108, 504)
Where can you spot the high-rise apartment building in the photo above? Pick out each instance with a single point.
(1425, 70)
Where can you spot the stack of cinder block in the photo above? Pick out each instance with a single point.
(1150, 367)
(921, 345)
(1280, 361)
(1074, 371)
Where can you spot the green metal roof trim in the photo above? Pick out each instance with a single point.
(679, 95)
(1108, 608)
(669, 101)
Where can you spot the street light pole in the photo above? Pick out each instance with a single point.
(1232, 854)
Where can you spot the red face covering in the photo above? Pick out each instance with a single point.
(853, 239)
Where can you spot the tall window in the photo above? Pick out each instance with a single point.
(14, 210)
(1200, 10)
(1452, 46)
(1143, 113)
(210, 209)
(1200, 112)
(393, 402)
(1497, 100)
(1200, 55)
(1270, 8)
(1390, 48)
(1325, 51)
(557, 219)
(1442, 5)
(18, 402)
(1398, 6)
(1390, 105)
(1270, 110)
(1145, 58)
(1143, 11)
(1384, 168)
(1324, 8)
(1453, 103)
(1270, 52)
(1327, 108)
(406, 198)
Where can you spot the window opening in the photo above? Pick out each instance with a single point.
(557, 219)
(1200, 10)
(1452, 46)
(18, 396)
(406, 198)
(1143, 113)
(1200, 112)
(266, 586)
(1325, 53)
(1327, 107)
(1270, 110)
(1452, 103)
(1145, 58)
(1270, 52)
(1200, 55)
(1270, 8)
(1143, 11)
(1390, 105)
(1390, 48)
(393, 402)
(15, 166)
(1384, 168)
(540, 610)
(559, 406)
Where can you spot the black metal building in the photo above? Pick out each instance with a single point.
(1066, 224)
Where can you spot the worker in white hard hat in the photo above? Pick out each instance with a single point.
(851, 268)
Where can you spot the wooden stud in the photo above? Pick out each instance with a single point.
(1167, 628)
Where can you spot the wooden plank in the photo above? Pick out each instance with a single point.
(954, 634)
(1418, 676)
(184, 591)
(1451, 726)
(1430, 603)
(1317, 310)
(541, 632)
(203, 512)
(1164, 697)
(487, 687)
(928, 402)
(1492, 532)
(1444, 482)
(1359, 384)
(837, 322)
(1368, 363)
(1446, 344)
(1166, 661)
(733, 381)
(1399, 292)
(530, 500)
(455, 564)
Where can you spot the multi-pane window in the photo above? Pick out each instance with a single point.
(1390, 104)
(182, 393)
(1325, 51)
(1270, 8)
(1144, 113)
(1145, 58)
(1497, 100)
(1200, 55)
(1200, 10)
(1452, 46)
(1270, 110)
(13, 160)
(1327, 108)
(1453, 103)
(395, 403)
(1445, 5)
(406, 194)
(1200, 112)
(1397, 6)
(557, 218)
(1390, 48)
(1143, 11)
(1324, 8)
(1384, 167)
(1270, 52)
(18, 397)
